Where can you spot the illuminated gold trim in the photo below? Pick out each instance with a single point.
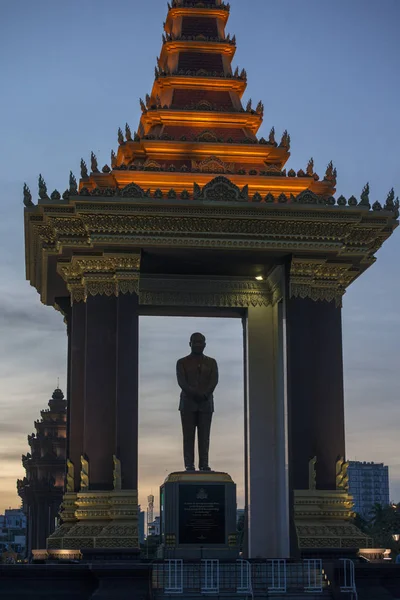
(198, 477)
(215, 12)
(200, 119)
(193, 82)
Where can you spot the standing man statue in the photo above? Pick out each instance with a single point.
(197, 376)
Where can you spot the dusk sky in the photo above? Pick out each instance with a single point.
(72, 73)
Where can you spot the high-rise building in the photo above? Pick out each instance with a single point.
(369, 485)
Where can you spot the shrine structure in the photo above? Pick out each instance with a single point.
(41, 490)
(196, 215)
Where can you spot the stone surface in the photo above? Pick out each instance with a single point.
(198, 516)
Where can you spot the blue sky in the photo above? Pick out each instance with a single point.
(72, 73)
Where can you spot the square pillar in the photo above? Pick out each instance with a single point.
(266, 433)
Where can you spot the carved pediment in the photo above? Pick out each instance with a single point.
(206, 136)
(221, 189)
(213, 164)
(132, 191)
(307, 197)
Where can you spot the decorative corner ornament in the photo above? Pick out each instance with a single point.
(365, 197)
(73, 186)
(84, 474)
(70, 485)
(312, 474)
(42, 189)
(27, 197)
(117, 477)
(342, 477)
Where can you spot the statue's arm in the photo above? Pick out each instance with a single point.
(213, 380)
(181, 377)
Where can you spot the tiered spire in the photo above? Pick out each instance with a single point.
(194, 125)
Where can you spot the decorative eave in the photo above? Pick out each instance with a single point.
(176, 150)
(182, 11)
(173, 46)
(339, 242)
(178, 181)
(196, 118)
(227, 84)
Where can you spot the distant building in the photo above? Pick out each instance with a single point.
(154, 527)
(13, 531)
(369, 485)
(142, 525)
(41, 490)
(239, 514)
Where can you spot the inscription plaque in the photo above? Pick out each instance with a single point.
(202, 514)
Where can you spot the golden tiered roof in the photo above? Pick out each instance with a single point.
(194, 125)
(195, 176)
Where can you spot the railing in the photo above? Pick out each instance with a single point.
(210, 576)
(278, 581)
(347, 578)
(314, 575)
(174, 577)
(244, 584)
(247, 578)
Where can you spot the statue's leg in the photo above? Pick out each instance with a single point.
(188, 419)
(203, 434)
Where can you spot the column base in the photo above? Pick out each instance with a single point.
(323, 520)
(103, 520)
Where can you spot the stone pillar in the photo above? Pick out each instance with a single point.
(100, 390)
(76, 380)
(266, 435)
(316, 403)
(127, 390)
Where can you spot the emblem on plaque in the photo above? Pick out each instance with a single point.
(202, 495)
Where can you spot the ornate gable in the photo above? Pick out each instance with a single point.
(213, 164)
(222, 190)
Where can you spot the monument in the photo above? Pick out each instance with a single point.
(42, 488)
(196, 215)
(198, 509)
(197, 377)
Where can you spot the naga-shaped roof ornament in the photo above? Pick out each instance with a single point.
(42, 189)
(27, 196)
(73, 186)
(84, 170)
(310, 168)
(93, 163)
(285, 141)
(120, 136)
(128, 133)
(365, 197)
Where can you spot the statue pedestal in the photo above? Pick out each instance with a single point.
(198, 516)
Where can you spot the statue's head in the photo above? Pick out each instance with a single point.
(197, 343)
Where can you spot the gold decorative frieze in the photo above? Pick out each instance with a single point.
(343, 238)
(108, 274)
(200, 291)
(324, 519)
(102, 519)
(320, 279)
(84, 474)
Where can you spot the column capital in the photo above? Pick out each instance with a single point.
(109, 274)
(320, 279)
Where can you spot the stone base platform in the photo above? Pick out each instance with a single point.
(198, 516)
(97, 520)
